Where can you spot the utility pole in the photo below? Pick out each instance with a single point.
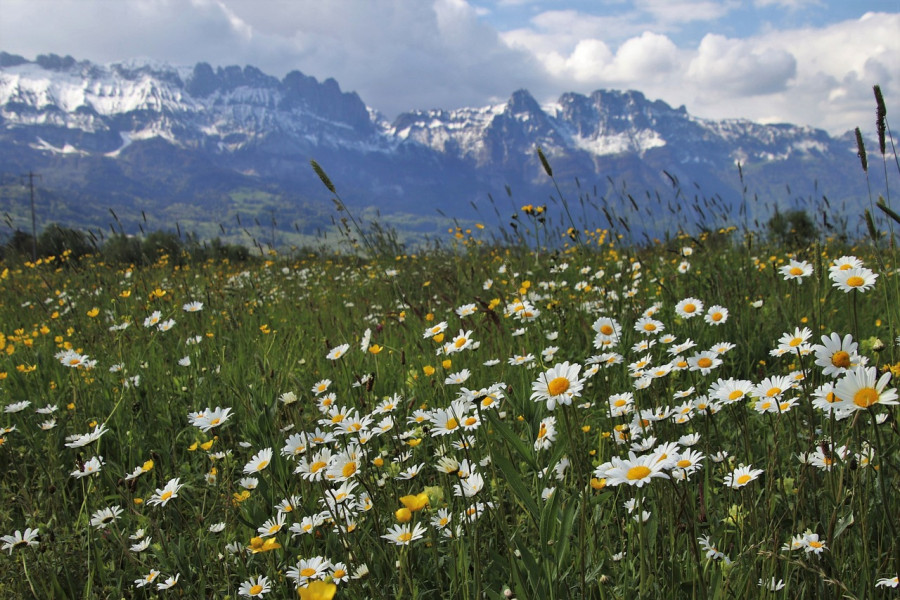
(31, 175)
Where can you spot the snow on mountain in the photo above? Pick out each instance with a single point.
(141, 126)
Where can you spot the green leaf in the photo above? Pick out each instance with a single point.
(518, 486)
(515, 441)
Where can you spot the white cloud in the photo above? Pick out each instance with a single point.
(645, 58)
(728, 68)
(668, 12)
(792, 5)
(405, 54)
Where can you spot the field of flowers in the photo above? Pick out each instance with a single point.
(702, 418)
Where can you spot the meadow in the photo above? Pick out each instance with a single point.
(706, 416)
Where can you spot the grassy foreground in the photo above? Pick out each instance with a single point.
(595, 422)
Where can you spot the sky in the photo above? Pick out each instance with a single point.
(808, 62)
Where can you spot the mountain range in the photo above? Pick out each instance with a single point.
(226, 151)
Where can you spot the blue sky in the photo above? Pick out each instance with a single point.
(811, 62)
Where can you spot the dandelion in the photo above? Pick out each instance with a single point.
(741, 476)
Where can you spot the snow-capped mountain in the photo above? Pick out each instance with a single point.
(209, 145)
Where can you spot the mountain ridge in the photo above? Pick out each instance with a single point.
(112, 131)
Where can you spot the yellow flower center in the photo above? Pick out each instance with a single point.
(855, 281)
(865, 397)
(735, 395)
(620, 403)
(214, 422)
(606, 329)
(796, 271)
(317, 466)
(460, 342)
(542, 431)
(274, 528)
(471, 421)
(262, 465)
(795, 342)
(308, 572)
(773, 391)
(704, 363)
(404, 537)
(816, 543)
(716, 316)
(349, 469)
(337, 418)
(165, 496)
(683, 463)
(638, 472)
(649, 327)
(690, 308)
(558, 386)
(256, 589)
(765, 406)
(451, 423)
(743, 479)
(841, 359)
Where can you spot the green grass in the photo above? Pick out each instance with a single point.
(265, 330)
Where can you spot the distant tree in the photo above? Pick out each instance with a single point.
(793, 229)
(162, 242)
(123, 250)
(55, 240)
(20, 243)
